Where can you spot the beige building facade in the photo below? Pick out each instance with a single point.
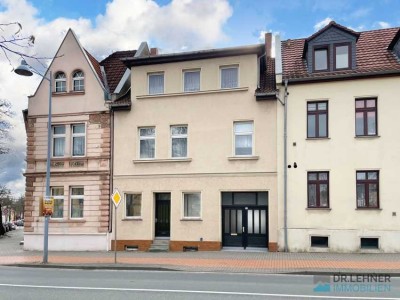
(342, 142)
(195, 153)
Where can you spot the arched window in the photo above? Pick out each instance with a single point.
(61, 82)
(78, 81)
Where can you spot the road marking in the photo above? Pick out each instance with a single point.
(187, 292)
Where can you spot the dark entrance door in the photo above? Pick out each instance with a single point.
(163, 213)
(245, 225)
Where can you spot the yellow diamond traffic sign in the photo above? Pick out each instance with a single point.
(116, 197)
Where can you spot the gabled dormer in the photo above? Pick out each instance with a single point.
(395, 45)
(331, 49)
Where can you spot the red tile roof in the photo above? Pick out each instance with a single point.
(115, 68)
(95, 65)
(372, 56)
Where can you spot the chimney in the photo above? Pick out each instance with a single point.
(268, 43)
(153, 51)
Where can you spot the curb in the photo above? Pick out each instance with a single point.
(355, 272)
(158, 268)
(90, 267)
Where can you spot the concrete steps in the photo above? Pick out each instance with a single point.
(159, 245)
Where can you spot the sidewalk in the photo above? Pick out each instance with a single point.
(221, 261)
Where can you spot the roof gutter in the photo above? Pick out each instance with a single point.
(266, 96)
(343, 77)
(196, 55)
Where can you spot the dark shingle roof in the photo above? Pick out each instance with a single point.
(373, 56)
(267, 77)
(123, 102)
(333, 24)
(115, 68)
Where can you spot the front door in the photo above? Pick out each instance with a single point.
(163, 213)
(244, 226)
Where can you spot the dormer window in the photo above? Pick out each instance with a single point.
(321, 58)
(331, 49)
(342, 56)
(78, 81)
(60, 82)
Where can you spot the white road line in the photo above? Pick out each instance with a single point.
(187, 292)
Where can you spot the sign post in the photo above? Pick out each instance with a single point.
(116, 198)
(48, 206)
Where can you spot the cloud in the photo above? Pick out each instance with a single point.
(382, 24)
(322, 23)
(261, 39)
(180, 25)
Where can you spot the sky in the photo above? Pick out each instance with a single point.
(105, 26)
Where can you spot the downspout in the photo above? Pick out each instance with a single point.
(111, 167)
(285, 183)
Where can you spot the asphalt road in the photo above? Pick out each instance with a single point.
(39, 283)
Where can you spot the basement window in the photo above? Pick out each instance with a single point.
(369, 243)
(319, 241)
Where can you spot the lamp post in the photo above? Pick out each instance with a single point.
(25, 70)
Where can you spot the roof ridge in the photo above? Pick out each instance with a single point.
(112, 55)
(381, 29)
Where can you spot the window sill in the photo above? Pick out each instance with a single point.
(319, 208)
(133, 219)
(317, 138)
(67, 221)
(72, 93)
(59, 158)
(240, 89)
(252, 157)
(368, 208)
(367, 136)
(191, 219)
(168, 160)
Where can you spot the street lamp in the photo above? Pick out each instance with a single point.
(26, 70)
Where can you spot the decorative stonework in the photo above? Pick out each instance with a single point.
(76, 164)
(102, 119)
(57, 164)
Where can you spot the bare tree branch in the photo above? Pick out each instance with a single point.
(6, 114)
(15, 44)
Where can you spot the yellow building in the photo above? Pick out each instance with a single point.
(195, 151)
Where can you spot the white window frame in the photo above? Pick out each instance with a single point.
(58, 135)
(179, 136)
(183, 79)
(58, 197)
(183, 205)
(243, 133)
(78, 79)
(71, 197)
(77, 135)
(147, 138)
(148, 82)
(56, 80)
(141, 205)
(229, 67)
